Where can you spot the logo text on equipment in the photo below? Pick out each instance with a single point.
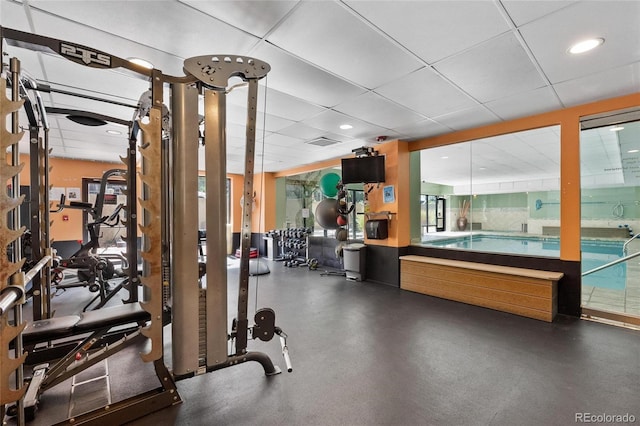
(87, 56)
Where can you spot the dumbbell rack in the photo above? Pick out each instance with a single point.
(292, 245)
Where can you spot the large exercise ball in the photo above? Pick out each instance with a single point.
(342, 234)
(327, 213)
(329, 183)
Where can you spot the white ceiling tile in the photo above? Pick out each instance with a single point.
(51, 25)
(466, 119)
(278, 103)
(493, 70)
(300, 79)
(605, 84)
(254, 17)
(301, 131)
(238, 115)
(526, 103)
(69, 76)
(329, 36)
(422, 129)
(427, 93)
(434, 30)
(282, 140)
(162, 27)
(615, 21)
(331, 121)
(524, 11)
(373, 108)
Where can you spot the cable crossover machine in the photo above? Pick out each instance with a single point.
(202, 339)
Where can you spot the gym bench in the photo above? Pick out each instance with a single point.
(90, 350)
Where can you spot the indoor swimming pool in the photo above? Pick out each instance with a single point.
(595, 253)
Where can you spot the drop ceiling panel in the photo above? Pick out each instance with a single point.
(278, 103)
(29, 61)
(605, 84)
(12, 15)
(421, 130)
(161, 26)
(254, 17)
(331, 121)
(434, 30)
(522, 12)
(282, 140)
(373, 108)
(300, 79)
(62, 72)
(302, 131)
(526, 103)
(427, 93)
(328, 35)
(493, 70)
(64, 29)
(616, 22)
(238, 115)
(466, 119)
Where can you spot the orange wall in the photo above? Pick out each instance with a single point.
(396, 174)
(68, 173)
(263, 215)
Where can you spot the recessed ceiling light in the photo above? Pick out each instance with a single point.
(141, 62)
(616, 129)
(585, 45)
(114, 132)
(444, 157)
(346, 126)
(633, 151)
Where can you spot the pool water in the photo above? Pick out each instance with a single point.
(594, 253)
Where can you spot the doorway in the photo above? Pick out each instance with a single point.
(433, 213)
(610, 216)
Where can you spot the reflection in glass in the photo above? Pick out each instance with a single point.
(500, 194)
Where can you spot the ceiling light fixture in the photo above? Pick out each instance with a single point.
(444, 157)
(616, 129)
(142, 62)
(346, 126)
(633, 151)
(585, 45)
(114, 132)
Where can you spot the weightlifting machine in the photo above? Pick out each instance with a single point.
(93, 269)
(170, 274)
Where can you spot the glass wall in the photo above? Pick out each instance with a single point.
(610, 211)
(501, 194)
(303, 193)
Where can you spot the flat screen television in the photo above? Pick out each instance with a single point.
(363, 169)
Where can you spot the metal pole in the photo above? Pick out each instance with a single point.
(215, 105)
(184, 265)
(245, 233)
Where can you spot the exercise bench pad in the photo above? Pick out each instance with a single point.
(51, 328)
(111, 316)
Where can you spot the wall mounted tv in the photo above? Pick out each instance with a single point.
(363, 169)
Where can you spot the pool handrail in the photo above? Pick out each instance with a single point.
(626, 243)
(615, 262)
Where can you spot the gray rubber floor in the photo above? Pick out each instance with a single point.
(369, 354)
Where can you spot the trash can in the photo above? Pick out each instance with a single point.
(355, 261)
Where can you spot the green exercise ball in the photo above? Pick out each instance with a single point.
(329, 183)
